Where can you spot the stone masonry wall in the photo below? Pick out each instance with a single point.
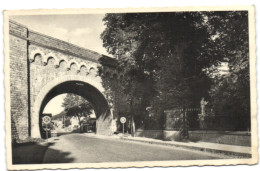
(47, 65)
(35, 61)
(68, 48)
(19, 82)
(56, 64)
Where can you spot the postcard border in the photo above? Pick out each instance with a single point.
(253, 91)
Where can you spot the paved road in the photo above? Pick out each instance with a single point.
(83, 148)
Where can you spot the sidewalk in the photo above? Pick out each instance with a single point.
(238, 151)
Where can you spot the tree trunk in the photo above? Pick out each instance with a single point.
(132, 120)
(132, 127)
(79, 123)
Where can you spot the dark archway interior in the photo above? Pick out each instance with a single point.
(85, 90)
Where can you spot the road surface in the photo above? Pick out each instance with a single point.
(83, 148)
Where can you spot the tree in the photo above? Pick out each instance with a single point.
(76, 105)
(166, 59)
(157, 53)
(230, 94)
(130, 93)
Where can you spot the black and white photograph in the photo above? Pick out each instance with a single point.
(130, 87)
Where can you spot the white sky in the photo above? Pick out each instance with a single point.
(80, 29)
(54, 106)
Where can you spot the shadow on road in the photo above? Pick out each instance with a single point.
(33, 153)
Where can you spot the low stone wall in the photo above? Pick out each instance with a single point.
(104, 125)
(221, 137)
(171, 135)
(156, 134)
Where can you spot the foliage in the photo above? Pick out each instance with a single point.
(166, 60)
(158, 56)
(231, 99)
(76, 105)
(230, 93)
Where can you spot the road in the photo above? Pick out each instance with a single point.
(83, 148)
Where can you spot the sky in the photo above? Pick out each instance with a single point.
(83, 30)
(55, 105)
(80, 29)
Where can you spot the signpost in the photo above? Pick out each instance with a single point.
(123, 120)
(46, 120)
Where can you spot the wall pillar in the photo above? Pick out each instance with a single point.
(19, 82)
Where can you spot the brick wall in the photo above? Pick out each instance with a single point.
(41, 74)
(19, 82)
(31, 70)
(68, 48)
(104, 125)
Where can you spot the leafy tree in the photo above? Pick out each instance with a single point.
(230, 93)
(166, 60)
(157, 54)
(76, 105)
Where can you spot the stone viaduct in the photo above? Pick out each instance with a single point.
(42, 67)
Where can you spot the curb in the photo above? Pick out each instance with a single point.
(205, 149)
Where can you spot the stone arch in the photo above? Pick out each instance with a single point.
(83, 63)
(73, 61)
(92, 71)
(63, 63)
(52, 60)
(50, 55)
(104, 116)
(33, 53)
(37, 58)
(74, 66)
(83, 69)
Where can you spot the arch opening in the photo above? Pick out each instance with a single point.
(88, 92)
(71, 113)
